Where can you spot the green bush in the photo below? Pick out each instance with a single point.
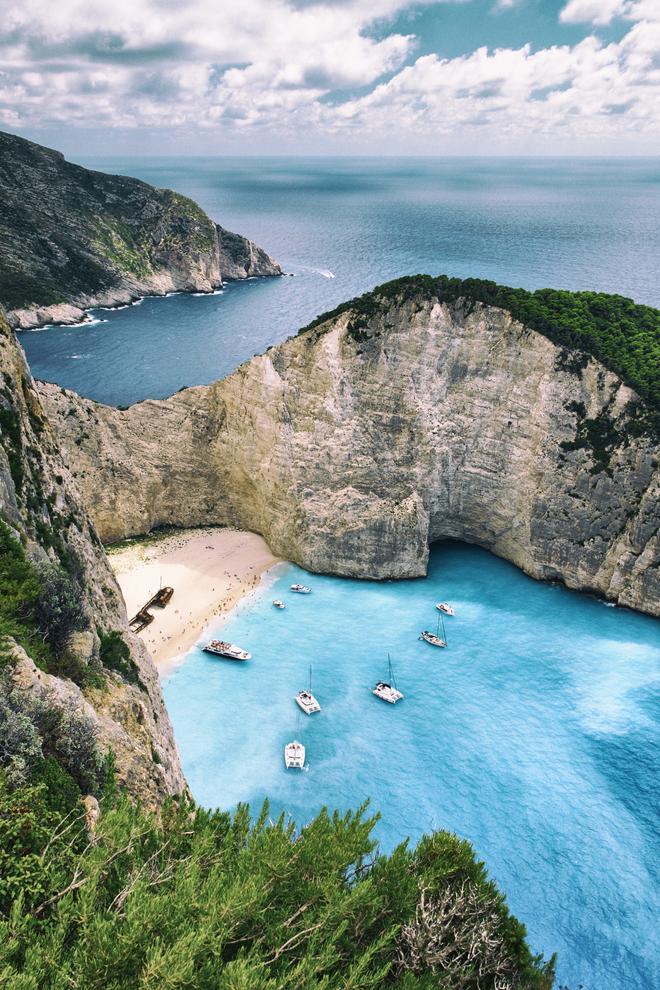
(115, 655)
(59, 608)
(20, 741)
(32, 728)
(61, 793)
(72, 741)
(206, 901)
(19, 592)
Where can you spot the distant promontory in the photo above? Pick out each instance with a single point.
(71, 238)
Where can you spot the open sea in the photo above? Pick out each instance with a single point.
(343, 226)
(536, 734)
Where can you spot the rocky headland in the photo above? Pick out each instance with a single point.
(413, 414)
(72, 238)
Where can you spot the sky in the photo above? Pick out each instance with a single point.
(382, 77)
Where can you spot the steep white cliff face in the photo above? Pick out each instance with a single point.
(40, 502)
(352, 450)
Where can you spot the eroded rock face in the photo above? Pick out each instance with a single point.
(71, 238)
(40, 501)
(351, 450)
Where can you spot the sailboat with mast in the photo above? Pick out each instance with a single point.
(306, 700)
(435, 639)
(387, 690)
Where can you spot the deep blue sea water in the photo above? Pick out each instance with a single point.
(575, 224)
(535, 735)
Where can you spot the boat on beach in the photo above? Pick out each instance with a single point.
(306, 700)
(435, 639)
(294, 755)
(300, 589)
(387, 690)
(144, 617)
(227, 650)
(445, 607)
(278, 604)
(162, 597)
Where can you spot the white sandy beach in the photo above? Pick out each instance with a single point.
(210, 571)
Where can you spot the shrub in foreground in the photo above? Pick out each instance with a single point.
(205, 900)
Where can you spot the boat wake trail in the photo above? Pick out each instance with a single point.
(325, 272)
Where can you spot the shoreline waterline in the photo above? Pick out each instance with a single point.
(211, 571)
(90, 320)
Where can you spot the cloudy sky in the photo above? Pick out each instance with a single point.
(341, 76)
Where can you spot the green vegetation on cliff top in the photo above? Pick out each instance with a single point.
(621, 334)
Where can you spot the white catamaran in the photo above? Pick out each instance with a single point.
(387, 690)
(294, 755)
(306, 700)
(435, 639)
(227, 650)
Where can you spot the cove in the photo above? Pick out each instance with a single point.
(535, 735)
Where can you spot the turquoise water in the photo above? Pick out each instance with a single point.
(574, 224)
(535, 735)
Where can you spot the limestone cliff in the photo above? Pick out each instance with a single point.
(71, 238)
(40, 502)
(356, 444)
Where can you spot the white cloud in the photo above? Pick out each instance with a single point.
(296, 68)
(598, 12)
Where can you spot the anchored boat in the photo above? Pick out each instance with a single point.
(435, 639)
(387, 690)
(227, 650)
(278, 604)
(445, 607)
(300, 589)
(306, 700)
(294, 755)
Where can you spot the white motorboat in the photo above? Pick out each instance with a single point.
(294, 755)
(278, 604)
(227, 650)
(387, 691)
(435, 639)
(306, 700)
(445, 607)
(300, 589)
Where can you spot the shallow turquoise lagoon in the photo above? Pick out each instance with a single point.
(535, 735)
